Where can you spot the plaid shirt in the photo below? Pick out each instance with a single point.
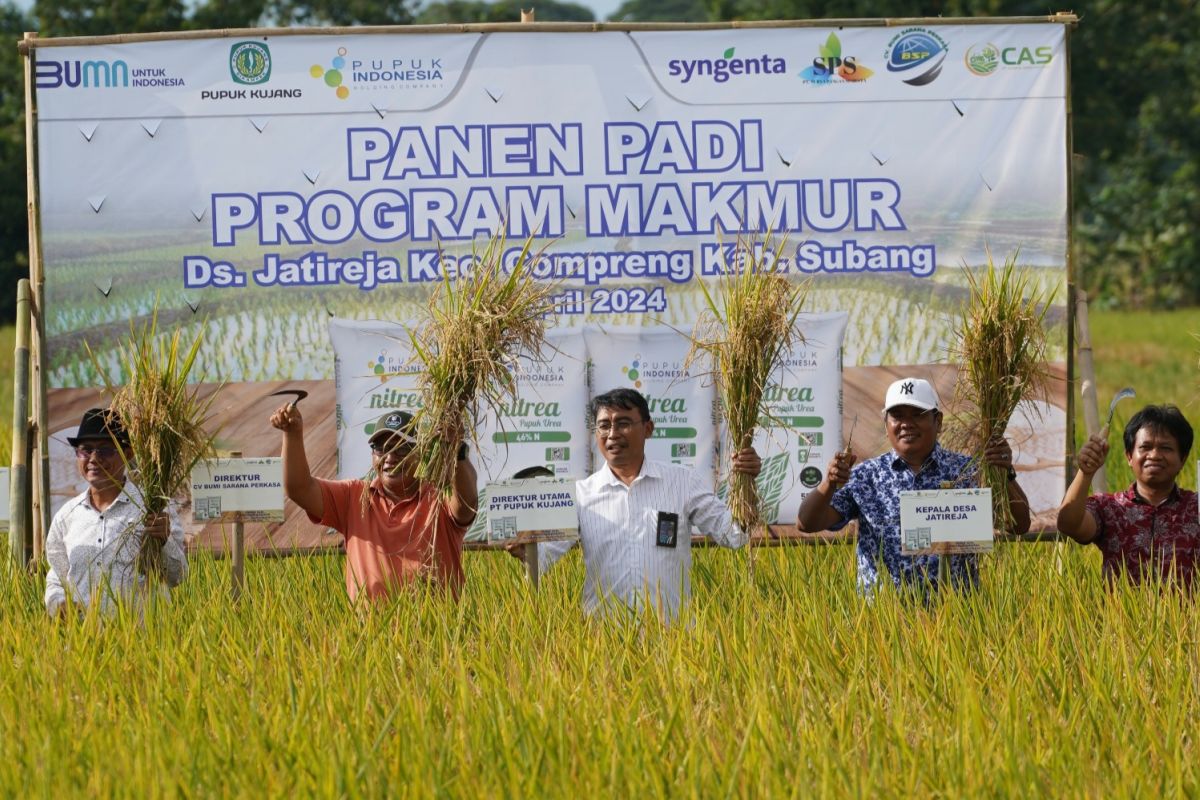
(872, 496)
(1142, 540)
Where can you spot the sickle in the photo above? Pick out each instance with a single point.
(299, 393)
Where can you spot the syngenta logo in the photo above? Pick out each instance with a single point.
(721, 69)
(86, 74)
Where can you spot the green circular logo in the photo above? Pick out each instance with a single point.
(982, 59)
(250, 63)
(810, 477)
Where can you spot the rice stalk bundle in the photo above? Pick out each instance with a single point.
(476, 326)
(165, 419)
(1001, 348)
(750, 320)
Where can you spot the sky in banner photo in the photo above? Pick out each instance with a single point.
(601, 8)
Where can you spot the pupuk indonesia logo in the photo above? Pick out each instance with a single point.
(333, 76)
(916, 55)
(831, 66)
(250, 63)
(633, 371)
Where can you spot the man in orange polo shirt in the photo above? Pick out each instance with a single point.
(406, 531)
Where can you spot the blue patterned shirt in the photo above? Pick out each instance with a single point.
(872, 496)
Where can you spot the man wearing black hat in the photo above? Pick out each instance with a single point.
(405, 530)
(94, 539)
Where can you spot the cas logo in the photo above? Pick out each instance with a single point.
(250, 63)
(832, 66)
(984, 59)
(916, 55)
(722, 69)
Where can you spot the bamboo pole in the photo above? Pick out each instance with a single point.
(40, 513)
(531, 563)
(538, 27)
(18, 496)
(1087, 381)
(237, 564)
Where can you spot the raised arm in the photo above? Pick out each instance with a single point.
(816, 512)
(1073, 517)
(464, 501)
(298, 483)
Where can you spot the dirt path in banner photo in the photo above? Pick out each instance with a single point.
(244, 409)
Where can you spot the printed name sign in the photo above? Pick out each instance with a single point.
(238, 490)
(532, 510)
(945, 522)
(4, 495)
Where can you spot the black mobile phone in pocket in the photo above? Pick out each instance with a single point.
(668, 529)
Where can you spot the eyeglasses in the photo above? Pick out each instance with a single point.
(84, 451)
(916, 417)
(621, 426)
(386, 446)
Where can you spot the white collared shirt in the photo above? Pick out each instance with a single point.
(618, 530)
(94, 553)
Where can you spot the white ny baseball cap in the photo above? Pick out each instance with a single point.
(915, 392)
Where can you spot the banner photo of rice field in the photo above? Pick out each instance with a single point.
(301, 196)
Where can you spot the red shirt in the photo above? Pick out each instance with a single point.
(1142, 540)
(395, 542)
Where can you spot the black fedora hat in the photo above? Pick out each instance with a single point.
(100, 423)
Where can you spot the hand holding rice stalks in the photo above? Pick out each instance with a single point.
(164, 418)
(476, 327)
(750, 321)
(1001, 347)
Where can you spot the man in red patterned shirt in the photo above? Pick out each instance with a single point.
(1152, 529)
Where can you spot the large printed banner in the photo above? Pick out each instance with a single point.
(263, 186)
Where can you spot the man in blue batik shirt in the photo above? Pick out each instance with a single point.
(871, 491)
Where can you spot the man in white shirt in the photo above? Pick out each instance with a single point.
(94, 539)
(636, 516)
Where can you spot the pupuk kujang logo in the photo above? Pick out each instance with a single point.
(916, 55)
(728, 65)
(250, 63)
(832, 66)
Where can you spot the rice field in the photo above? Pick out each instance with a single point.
(782, 682)
(784, 685)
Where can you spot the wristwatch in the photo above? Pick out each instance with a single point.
(1012, 474)
(462, 452)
